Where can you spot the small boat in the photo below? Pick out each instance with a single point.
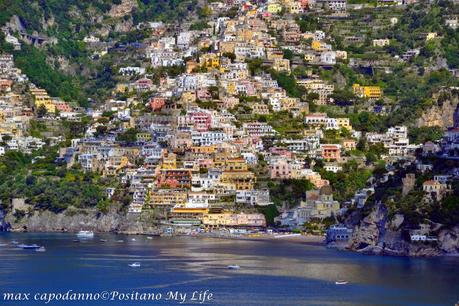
(233, 267)
(41, 249)
(133, 239)
(3, 244)
(119, 241)
(103, 240)
(14, 242)
(149, 237)
(341, 282)
(29, 246)
(134, 265)
(76, 240)
(85, 234)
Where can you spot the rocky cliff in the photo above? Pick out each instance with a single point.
(76, 220)
(377, 234)
(4, 225)
(441, 113)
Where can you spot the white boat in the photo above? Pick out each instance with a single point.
(120, 241)
(133, 239)
(233, 267)
(149, 237)
(134, 265)
(29, 246)
(341, 282)
(85, 234)
(41, 249)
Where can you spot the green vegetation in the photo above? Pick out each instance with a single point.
(308, 23)
(199, 26)
(346, 182)
(423, 134)
(33, 62)
(129, 136)
(270, 212)
(72, 20)
(164, 10)
(289, 192)
(46, 185)
(416, 209)
(288, 82)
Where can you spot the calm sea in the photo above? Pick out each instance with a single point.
(271, 272)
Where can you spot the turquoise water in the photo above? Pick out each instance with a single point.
(272, 272)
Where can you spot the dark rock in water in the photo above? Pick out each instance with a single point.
(4, 226)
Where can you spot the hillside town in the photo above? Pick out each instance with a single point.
(235, 122)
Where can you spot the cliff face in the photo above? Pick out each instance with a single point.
(113, 221)
(376, 234)
(4, 225)
(441, 114)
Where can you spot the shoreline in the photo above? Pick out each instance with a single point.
(306, 239)
(291, 238)
(312, 240)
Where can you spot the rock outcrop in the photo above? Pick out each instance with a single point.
(4, 225)
(76, 220)
(377, 235)
(441, 114)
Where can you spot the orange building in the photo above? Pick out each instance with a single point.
(331, 152)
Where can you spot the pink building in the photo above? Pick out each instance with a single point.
(63, 106)
(280, 170)
(144, 84)
(204, 94)
(157, 103)
(281, 152)
(201, 120)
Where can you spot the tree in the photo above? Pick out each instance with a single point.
(130, 136)
(100, 130)
(288, 54)
(42, 111)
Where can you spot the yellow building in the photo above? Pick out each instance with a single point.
(295, 7)
(231, 88)
(221, 158)
(121, 88)
(169, 161)
(309, 57)
(319, 46)
(188, 97)
(47, 102)
(204, 149)
(227, 46)
(233, 219)
(184, 215)
(146, 137)
(431, 35)
(371, 92)
(238, 180)
(274, 53)
(245, 34)
(274, 8)
(168, 197)
(236, 164)
(209, 60)
(281, 65)
(289, 103)
(344, 123)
